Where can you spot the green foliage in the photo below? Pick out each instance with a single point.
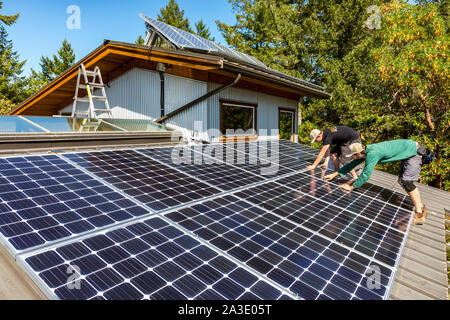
(140, 40)
(8, 20)
(11, 83)
(173, 15)
(203, 31)
(328, 43)
(51, 68)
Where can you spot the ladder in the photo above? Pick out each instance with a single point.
(90, 86)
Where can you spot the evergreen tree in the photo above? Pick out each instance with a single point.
(11, 83)
(203, 31)
(51, 68)
(8, 20)
(140, 40)
(174, 16)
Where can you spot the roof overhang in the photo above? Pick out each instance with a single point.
(116, 58)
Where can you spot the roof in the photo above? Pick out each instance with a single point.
(422, 273)
(115, 58)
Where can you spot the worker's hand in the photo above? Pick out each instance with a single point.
(331, 177)
(324, 166)
(310, 167)
(347, 187)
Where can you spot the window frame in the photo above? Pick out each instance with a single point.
(239, 104)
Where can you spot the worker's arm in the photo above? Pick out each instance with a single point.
(344, 170)
(371, 161)
(319, 158)
(326, 162)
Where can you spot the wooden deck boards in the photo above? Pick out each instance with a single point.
(422, 274)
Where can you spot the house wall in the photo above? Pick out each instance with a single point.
(268, 107)
(136, 95)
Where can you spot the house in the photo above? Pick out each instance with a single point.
(199, 91)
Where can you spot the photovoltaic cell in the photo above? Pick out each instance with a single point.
(44, 199)
(307, 264)
(318, 206)
(146, 180)
(169, 265)
(196, 164)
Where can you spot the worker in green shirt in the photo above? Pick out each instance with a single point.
(385, 152)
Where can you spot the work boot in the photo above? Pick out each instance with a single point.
(420, 218)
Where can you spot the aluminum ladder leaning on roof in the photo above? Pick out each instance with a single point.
(90, 86)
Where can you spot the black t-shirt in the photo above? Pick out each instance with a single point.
(339, 135)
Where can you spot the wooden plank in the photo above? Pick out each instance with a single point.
(430, 257)
(426, 234)
(426, 241)
(402, 292)
(14, 283)
(423, 271)
(421, 285)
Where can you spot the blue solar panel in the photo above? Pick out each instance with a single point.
(185, 40)
(44, 199)
(306, 263)
(147, 260)
(290, 231)
(154, 184)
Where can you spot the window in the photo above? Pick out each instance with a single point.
(238, 116)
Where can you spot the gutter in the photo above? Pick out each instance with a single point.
(197, 101)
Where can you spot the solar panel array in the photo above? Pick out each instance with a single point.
(225, 221)
(185, 40)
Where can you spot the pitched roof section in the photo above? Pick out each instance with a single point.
(115, 58)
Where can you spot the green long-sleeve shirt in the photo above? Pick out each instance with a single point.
(384, 152)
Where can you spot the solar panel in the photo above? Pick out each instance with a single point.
(203, 168)
(306, 263)
(154, 184)
(44, 199)
(234, 232)
(146, 260)
(185, 40)
(375, 231)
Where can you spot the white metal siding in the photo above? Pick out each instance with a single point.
(136, 95)
(268, 105)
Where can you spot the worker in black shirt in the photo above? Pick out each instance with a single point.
(336, 143)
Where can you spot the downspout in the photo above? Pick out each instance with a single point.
(163, 92)
(197, 101)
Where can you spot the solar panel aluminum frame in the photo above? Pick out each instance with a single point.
(15, 253)
(21, 259)
(394, 269)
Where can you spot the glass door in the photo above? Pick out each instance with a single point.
(286, 124)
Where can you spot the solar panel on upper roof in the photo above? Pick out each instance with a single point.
(185, 40)
(44, 199)
(148, 260)
(146, 180)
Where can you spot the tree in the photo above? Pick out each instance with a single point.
(413, 64)
(173, 15)
(11, 83)
(51, 68)
(203, 31)
(140, 40)
(8, 20)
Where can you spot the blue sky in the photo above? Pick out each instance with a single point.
(42, 24)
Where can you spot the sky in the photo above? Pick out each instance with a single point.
(42, 25)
